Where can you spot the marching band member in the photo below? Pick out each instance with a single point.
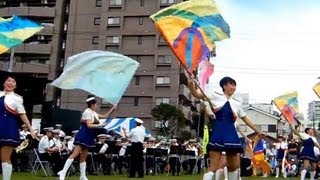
(150, 159)
(189, 164)
(137, 136)
(61, 132)
(44, 145)
(70, 144)
(24, 132)
(174, 158)
(57, 152)
(11, 111)
(122, 158)
(85, 137)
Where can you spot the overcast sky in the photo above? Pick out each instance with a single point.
(274, 48)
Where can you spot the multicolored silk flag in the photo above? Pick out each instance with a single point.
(102, 73)
(316, 89)
(288, 105)
(14, 30)
(190, 28)
(205, 70)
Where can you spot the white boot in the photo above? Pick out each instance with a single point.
(303, 174)
(234, 175)
(312, 174)
(6, 170)
(63, 172)
(277, 172)
(83, 167)
(218, 174)
(208, 176)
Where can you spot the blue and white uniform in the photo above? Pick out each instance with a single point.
(85, 137)
(11, 106)
(224, 136)
(308, 147)
(281, 148)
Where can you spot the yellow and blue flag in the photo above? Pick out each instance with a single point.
(316, 89)
(14, 30)
(191, 28)
(102, 73)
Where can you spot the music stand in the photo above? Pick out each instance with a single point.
(190, 153)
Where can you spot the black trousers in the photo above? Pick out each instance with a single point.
(174, 165)
(136, 160)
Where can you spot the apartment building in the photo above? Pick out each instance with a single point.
(123, 26)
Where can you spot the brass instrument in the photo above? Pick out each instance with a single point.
(24, 144)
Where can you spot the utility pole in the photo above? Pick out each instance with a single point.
(11, 60)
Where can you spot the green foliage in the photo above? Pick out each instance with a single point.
(170, 117)
(186, 135)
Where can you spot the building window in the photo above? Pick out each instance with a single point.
(96, 21)
(95, 39)
(114, 21)
(115, 2)
(136, 101)
(113, 39)
(141, 2)
(98, 3)
(167, 1)
(141, 20)
(164, 59)
(272, 128)
(162, 100)
(161, 40)
(163, 80)
(137, 80)
(139, 39)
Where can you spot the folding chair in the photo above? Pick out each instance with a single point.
(45, 165)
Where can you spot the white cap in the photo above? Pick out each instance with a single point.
(67, 137)
(75, 131)
(108, 136)
(90, 99)
(56, 131)
(173, 140)
(48, 129)
(139, 121)
(102, 135)
(152, 139)
(58, 125)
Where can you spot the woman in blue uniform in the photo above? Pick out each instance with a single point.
(85, 137)
(224, 135)
(11, 110)
(282, 149)
(307, 154)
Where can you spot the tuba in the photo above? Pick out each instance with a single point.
(24, 144)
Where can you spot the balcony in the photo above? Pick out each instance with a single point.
(184, 91)
(186, 111)
(28, 11)
(34, 48)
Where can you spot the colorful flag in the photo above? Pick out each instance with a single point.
(190, 28)
(316, 89)
(288, 106)
(258, 153)
(205, 70)
(102, 73)
(258, 159)
(14, 30)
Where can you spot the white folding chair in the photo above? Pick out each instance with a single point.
(45, 165)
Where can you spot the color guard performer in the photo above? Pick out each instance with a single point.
(11, 111)
(308, 154)
(224, 135)
(85, 137)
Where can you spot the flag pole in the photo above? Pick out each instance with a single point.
(11, 61)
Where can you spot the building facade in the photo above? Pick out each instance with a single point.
(314, 111)
(122, 26)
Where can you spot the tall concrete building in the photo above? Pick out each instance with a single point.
(314, 111)
(123, 26)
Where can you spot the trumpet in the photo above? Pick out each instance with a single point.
(24, 144)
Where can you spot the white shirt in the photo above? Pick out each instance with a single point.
(138, 134)
(103, 148)
(123, 150)
(70, 145)
(89, 114)
(43, 144)
(13, 102)
(24, 134)
(55, 143)
(283, 145)
(218, 100)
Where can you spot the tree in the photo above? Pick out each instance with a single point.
(170, 118)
